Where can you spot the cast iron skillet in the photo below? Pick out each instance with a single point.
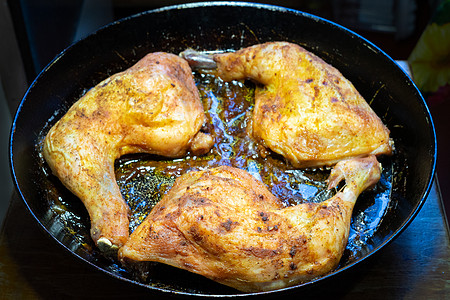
(218, 26)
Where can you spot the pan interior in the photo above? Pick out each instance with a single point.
(144, 179)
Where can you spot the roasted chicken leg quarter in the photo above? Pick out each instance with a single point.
(152, 107)
(305, 109)
(224, 224)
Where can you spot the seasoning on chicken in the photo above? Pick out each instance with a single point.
(152, 107)
(224, 224)
(304, 109)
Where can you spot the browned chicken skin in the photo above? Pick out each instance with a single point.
(152, 107)
(224, 224)
(305, 109)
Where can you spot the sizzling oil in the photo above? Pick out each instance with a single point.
(144, 179)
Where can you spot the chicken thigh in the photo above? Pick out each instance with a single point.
(224, 224)
(152, 107)
(304, 109)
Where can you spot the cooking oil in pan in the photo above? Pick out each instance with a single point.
(144, 179)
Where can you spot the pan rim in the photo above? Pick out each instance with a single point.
(430, 177)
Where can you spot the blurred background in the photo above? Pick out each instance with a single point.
(33, 32)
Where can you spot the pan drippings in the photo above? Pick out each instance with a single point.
(144, 179)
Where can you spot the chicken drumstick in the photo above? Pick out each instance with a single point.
(304, 109)
(152, 107)
(225, 225)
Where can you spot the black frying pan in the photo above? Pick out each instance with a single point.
(218, 26)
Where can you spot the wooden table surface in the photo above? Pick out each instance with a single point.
(416, 265)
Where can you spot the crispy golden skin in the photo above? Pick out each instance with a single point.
(224, 224)
(305, 109)
(152, 107)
